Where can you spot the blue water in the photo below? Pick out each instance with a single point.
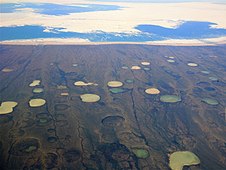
(55, 9)
(31, 32)
(188, 30)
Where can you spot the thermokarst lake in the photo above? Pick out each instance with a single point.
(113, 85)
(112, 107)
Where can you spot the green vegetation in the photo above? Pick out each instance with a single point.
(30, 149)
(7, 107)
(171, 61)
(205, 72)
(182, 158)
(116, 90)
(141, 153)
(115, 84)
(35, 83)
(7, 70)
(210, 101)
(145, 63)
(64, 94)
(192, 64)
(147, 69)
(89, 98)
(170, 98)
(129, 81)
(125, 67)
(135, 68)
(152, 91)
(36, 102)
(43, 120)
(81, 83)
(213, 78)
(38, 90)
(60, 87)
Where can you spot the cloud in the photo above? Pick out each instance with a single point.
(122, 22)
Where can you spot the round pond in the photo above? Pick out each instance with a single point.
(192, 64)
(170, 98)
(210, 101)
(7, 107)
(141, 153)
(152, 91)
(135, 68)
(90, 98)
(36, 102)
(115, 84)
(38, 90)
(35, 83)
(182, 158)
(145, 63)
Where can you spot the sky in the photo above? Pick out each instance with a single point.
(161, 1)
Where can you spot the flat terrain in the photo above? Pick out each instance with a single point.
(67, 133)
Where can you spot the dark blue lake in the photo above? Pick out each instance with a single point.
(31, 32)
(56, 9)
(188, 30)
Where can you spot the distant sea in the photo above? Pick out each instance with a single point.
(187, 30)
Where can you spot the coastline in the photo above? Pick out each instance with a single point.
(75, 41)
(167, 15)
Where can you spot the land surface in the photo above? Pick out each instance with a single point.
(67, 133)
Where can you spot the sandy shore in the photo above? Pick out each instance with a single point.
(77, 41)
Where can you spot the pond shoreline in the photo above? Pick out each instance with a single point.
(173, 42)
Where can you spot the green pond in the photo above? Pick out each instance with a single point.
(141, 153)
(129, 81)
(210, 101)
(180, 159)
(116, 90)
(170, 99)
